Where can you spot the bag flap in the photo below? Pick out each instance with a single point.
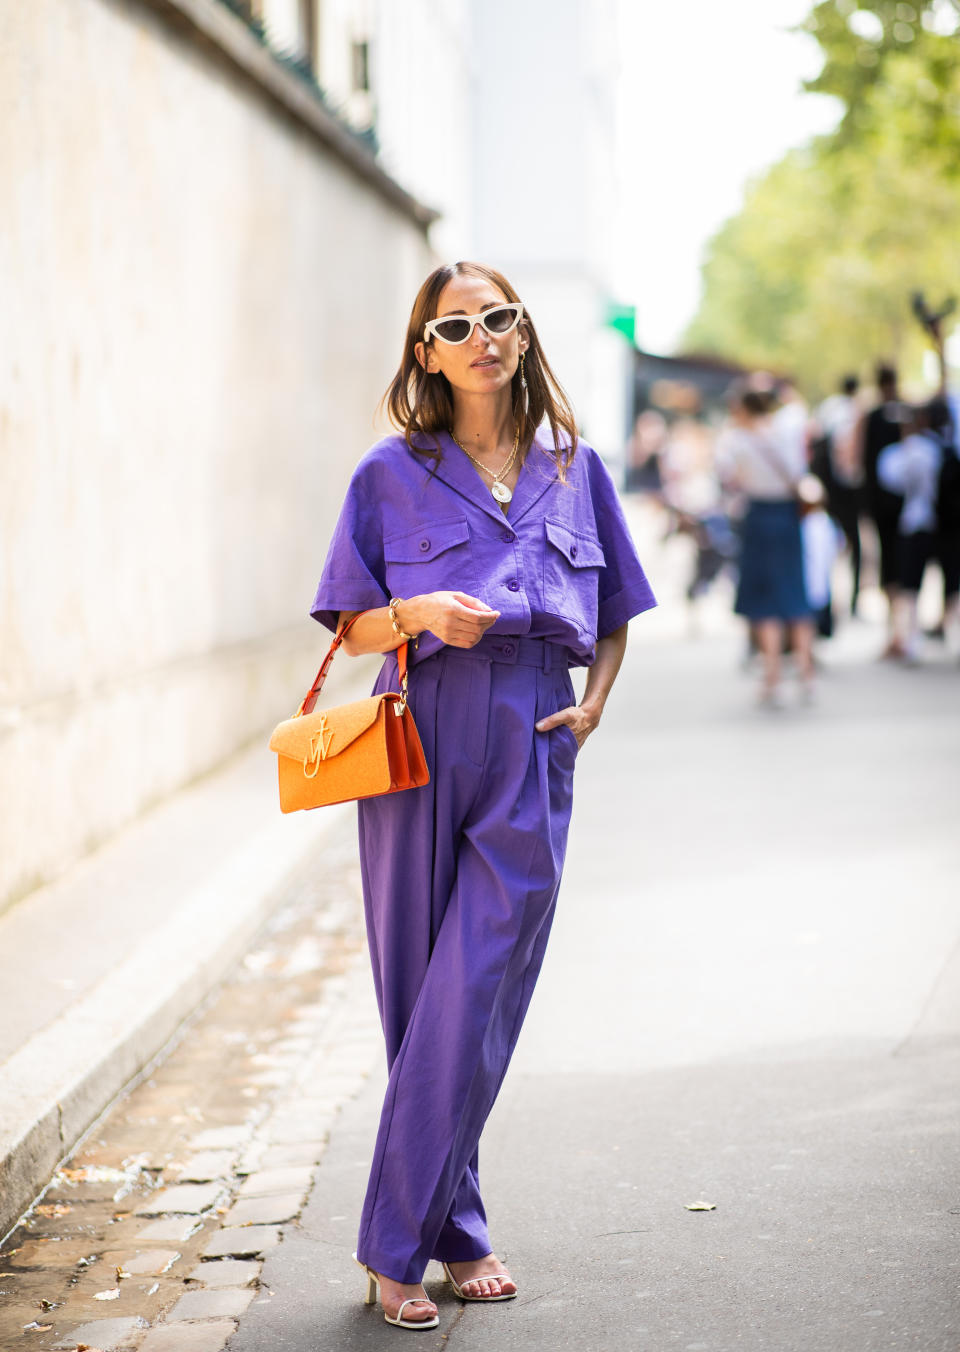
(328, 732)
(580, 550)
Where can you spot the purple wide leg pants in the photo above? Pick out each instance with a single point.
(460, 880)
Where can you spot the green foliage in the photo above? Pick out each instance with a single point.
(814, 275)
(883, 58)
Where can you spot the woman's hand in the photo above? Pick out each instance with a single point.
(456, 618)
(580, 720)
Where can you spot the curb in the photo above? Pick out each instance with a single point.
(64, 1077)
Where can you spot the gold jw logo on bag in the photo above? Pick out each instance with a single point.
(319, 746)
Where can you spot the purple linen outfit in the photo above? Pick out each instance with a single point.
(460, 877)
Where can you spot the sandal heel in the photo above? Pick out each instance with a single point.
(373, 1291)
(373, 1286)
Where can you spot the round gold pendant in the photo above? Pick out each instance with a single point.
(501, 492)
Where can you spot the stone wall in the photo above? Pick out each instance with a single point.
(202, 302)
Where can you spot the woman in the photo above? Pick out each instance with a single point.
(766, 469)
(911, 469)
(504, 555)
(879, 428)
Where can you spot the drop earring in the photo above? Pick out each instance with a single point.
(523, 387)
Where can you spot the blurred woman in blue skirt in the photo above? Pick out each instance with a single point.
(765, 469)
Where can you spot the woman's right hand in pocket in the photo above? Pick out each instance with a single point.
(456, 618)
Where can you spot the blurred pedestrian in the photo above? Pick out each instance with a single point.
(499, 552)
(822, 541)
(767, 468)
(879, 428)
(911, 468)
(644, 451)
(946, 421)
(693, 496)
(836, 422)
(790, 423)
(716, 545)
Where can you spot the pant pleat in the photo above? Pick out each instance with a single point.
(460, 884)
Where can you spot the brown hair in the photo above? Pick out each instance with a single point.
(422, 404)
(753, 399)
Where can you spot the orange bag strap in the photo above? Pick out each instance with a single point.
(310, 698)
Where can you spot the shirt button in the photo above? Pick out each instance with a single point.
(508, 650)
(424, 545)
(506, 537)
(573, 551)
(513, 585)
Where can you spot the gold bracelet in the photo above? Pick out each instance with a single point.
(394, 602)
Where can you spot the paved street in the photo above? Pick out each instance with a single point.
(751, 1000)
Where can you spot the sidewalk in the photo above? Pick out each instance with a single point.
(835, 1228)
(151, 1235)
(751, 998)
(100, 967)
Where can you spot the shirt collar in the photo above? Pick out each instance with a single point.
(537, 474)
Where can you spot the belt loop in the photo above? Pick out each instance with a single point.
(548, 657)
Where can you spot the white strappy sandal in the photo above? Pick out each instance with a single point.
(373, 1288)
(487, 1277)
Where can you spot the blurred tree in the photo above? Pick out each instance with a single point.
(814, 274)
(886, 59)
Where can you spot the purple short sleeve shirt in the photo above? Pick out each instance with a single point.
(561, 565)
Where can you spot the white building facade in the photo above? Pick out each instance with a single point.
(502, 116)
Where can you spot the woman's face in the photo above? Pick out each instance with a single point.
(485, 362)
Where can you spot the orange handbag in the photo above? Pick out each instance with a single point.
(355, 750)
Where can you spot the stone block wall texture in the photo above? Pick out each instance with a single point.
(200, 307)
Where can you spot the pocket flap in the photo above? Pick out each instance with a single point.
(321, 735)
(426, 542)
(580, 551)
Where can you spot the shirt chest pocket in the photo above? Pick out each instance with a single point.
(433, 557)
(572, 559)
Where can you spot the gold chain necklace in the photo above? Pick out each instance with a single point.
(500, 490)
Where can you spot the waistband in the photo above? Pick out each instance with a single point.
(514, 651)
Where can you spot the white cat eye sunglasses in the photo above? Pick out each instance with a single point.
(458, 328)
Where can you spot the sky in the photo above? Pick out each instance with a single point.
(711, 95)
